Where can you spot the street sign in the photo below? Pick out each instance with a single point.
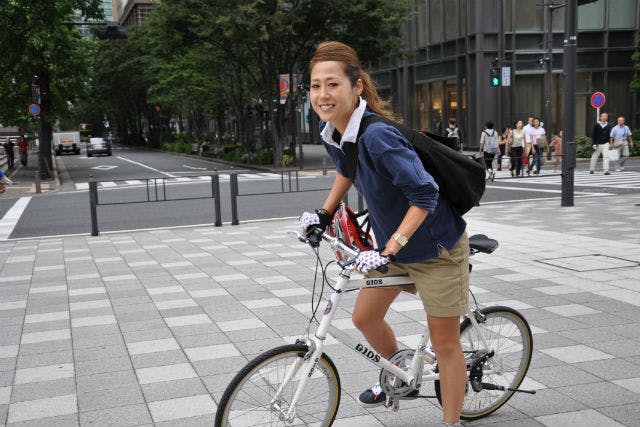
(506, 76)
(34, 109)
(598, 99)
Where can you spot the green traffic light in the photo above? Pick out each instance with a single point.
(495, 81)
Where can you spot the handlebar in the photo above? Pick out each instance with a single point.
(316, 235)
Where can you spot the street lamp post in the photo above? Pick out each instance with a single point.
(568, 104)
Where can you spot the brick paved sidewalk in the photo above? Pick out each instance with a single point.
(147, 328)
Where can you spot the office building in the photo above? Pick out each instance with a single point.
(453, 45)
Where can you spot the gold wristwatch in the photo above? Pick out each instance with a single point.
(401, 239)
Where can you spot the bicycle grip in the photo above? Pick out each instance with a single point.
(383, 268)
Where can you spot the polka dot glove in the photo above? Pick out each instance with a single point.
(307, 219)
(370, 260)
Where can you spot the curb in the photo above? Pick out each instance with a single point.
(242, 165)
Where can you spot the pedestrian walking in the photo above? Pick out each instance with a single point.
(23, 149)
(400, 195)
(453, 131)
(538, 139)
(516, 148)
(489, 147)
(8, 151)
(555, 148)
(503, 139)
(620, 139)
(600, 140)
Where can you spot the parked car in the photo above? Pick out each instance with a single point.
(98, 146)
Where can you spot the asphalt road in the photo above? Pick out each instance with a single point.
(123, 180)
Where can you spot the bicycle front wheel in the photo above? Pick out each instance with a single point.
(250, 399)
(508, 334)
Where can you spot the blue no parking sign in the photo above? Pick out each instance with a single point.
(34, 109)
(597, 100)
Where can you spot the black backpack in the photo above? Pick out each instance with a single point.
(461, 179)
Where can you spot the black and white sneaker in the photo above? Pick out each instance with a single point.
(374, 396)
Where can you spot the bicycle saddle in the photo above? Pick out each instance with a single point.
(482, 243)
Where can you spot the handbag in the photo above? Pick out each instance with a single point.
(506, 161)
(614, 155)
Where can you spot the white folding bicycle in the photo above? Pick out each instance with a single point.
(298, 384)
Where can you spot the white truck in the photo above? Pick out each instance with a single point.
(66, 142)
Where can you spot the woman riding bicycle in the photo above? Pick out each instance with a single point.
(419, 234)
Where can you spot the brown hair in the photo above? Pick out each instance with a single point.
(347, 56)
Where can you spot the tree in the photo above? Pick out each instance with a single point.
(35, 41)
(196, 60)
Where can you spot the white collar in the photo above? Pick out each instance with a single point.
(603, 124)
(351, 132)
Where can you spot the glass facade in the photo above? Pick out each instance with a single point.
(591, 16)
(622, 13)
(447, 64)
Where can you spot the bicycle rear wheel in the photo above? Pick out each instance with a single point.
(249, 398)
(508, 334)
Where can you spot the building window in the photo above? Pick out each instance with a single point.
(507, 14)
(435, 20)
(622, 13)
(591, 16)
(529, 16)
(618, 98)
(528, 99)
(422, 24)
(451, 20)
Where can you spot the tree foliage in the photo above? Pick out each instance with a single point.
(35, 40)
(194, 61)
(635, 83)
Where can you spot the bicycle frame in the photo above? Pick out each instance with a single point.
(414, 376)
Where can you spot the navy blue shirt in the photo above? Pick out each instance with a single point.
(391, 178)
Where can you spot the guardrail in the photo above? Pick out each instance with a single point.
(284, 189)
(156, 191)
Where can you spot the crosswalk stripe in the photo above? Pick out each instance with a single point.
(266, 176)
(630, 180)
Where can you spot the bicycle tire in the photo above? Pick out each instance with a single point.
(317, 406)
(501, 337)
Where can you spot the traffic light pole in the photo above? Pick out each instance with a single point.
(568, 104)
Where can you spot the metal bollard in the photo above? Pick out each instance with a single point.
(324, 165)
(233, 187)
(215, 192)
(93, 205)
(38, 186)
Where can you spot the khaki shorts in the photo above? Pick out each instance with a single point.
(442, 283)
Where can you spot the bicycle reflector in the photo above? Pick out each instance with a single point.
(353, 228)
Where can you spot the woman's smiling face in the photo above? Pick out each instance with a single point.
(333, 97)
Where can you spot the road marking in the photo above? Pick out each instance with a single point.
(147, 167)
(104, 167)
(11, 218)
(542, 190)
(108, 184)
(195, 168)
(82, 186)
(134, 182)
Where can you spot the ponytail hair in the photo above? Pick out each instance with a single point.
(347, 56)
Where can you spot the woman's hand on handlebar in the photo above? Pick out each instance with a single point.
(371, 260)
